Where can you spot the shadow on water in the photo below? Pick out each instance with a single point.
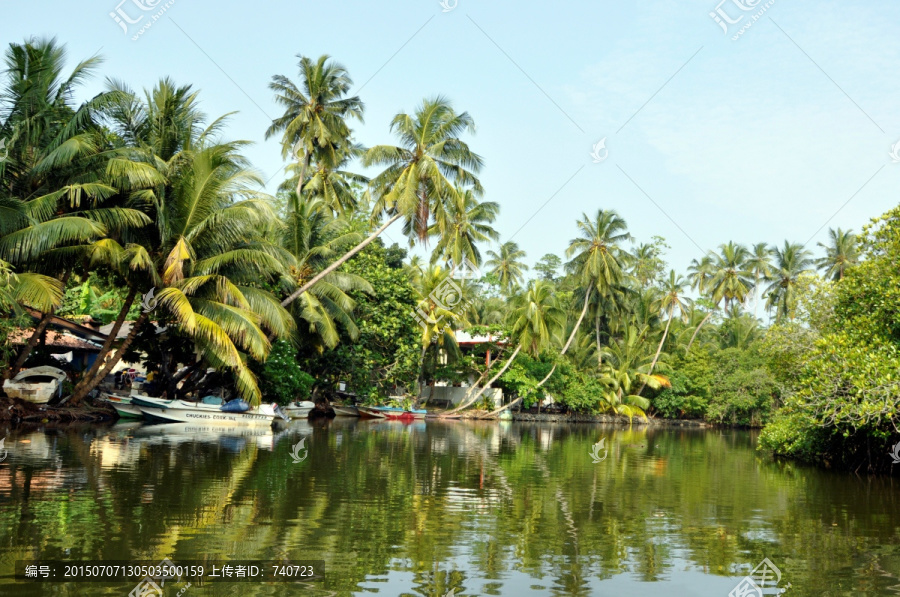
(426, 508)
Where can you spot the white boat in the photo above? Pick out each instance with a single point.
(299, 410)
(179, 411)
(37, 385)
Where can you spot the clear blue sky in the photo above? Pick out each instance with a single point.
(758, 139)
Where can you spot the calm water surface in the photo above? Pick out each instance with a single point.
(482, 509)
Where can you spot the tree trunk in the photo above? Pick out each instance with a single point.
(483, 389)
(39, 331)
(339, 262)
(587, 298)
(599, 352)
(658, 351)
(303, 167)
(708, 315)
(107, 344)
(77, 397)
(543, 381)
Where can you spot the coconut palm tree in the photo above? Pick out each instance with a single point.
(672, 300)
(314, 122)
(841, 252)
(204, 253)
(314, 237)
(731, 281)
(508, 266)
(419, 174)
(56, 195)
(536, 321)
(460, 224)
(790, 262)
(330, 182)
(627, 363)
(597, 260)
(759, 264)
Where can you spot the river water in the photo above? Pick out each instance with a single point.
(445, 508)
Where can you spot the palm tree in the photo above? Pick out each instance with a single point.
(55, 191)
(313, 237)
(419, 174)
(508, 265)
(790, 262)
(536, 322)
(314, 122)
(204, 252)
(335, 186)
(461, 223)
(700, 274)
(672, 300)
(731, 280)
(759, 264)
(627, 362)
(598, 260)
(841, 252)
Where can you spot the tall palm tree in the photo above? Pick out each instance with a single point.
(420, 173)
(791, 261)
(759, 264)
(596, 259)
(508, 265)
(672, 300)
(460, 224)
(331, 182)
(731, 281)
(535, 322)
(841, 252)
(314, 122)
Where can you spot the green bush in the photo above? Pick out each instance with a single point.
(281, 378)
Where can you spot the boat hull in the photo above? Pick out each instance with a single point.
(345, 411)
(203, 416)
(386, 412)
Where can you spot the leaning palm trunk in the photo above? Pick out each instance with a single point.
(78, 396)
(587, 298)
(475, 398)
(39, 331)
(694, 335)
(339, 262)
(107, 344)
(656, 356)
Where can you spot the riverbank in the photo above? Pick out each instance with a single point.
(608, 420)
(18, 411)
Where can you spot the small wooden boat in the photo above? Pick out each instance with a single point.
(37, 385)
(299, 410)
(341, 410)
(123, 405)
(391, 412)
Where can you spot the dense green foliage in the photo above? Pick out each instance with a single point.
(843, 409)
(281, 379)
